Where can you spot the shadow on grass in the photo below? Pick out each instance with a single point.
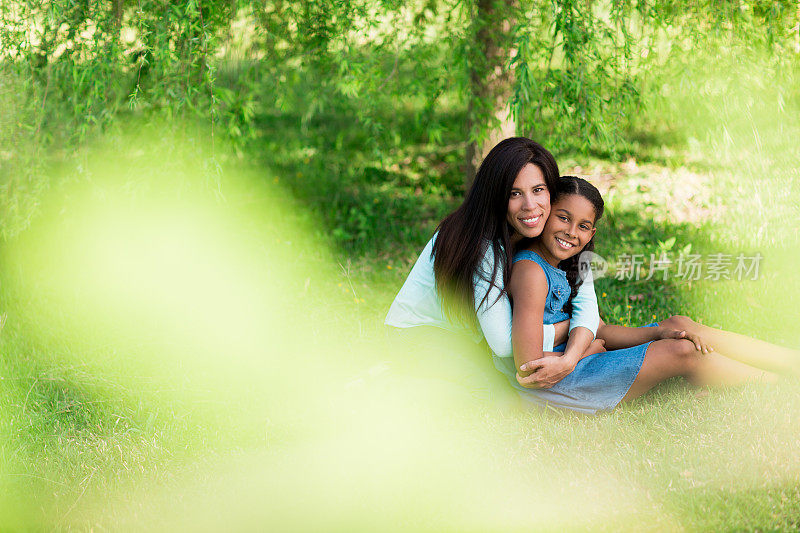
(384, 207)
(375, 199)
(380, 205)
(371, 202)
(716, 294)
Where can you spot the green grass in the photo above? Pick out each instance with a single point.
(148, 381)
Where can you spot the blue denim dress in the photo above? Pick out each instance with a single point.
(599, 381)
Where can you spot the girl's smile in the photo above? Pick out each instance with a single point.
(565, 244)
(569, 228)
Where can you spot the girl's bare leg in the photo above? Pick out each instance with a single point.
(744, 349)
(668, 358)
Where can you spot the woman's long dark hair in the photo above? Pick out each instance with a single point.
(480, 222)
(574, 185)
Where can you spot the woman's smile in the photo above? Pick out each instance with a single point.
(528, 203)
(531, 221)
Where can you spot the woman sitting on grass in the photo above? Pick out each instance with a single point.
(458, 282)
(544, 279)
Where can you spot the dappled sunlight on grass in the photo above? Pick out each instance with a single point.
(186, 346)
(741, 127)
(734, 191)
(737, 113)
(217, 368)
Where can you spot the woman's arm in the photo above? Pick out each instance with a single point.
(494, 314)
(584, 308)
(553, 367)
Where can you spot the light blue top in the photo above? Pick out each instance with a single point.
(418, 304)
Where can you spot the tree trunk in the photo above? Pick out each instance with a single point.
(118, 12)
(797, 31)
(490, 119)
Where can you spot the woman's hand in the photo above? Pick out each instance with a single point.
(699, 344)
(546, 371)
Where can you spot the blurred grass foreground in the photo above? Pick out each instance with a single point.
(184, 358)
(207, 209)
(181, 350)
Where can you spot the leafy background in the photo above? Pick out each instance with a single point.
(207, 208)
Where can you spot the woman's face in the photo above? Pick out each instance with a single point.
(529, 203)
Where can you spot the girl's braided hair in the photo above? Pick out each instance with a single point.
(573, 185)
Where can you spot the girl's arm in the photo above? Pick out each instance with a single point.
(529, 288)
(548, 371)
(582, 328)
(619, 337)
(494, 314)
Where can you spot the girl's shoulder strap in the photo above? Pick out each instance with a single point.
(530, 256)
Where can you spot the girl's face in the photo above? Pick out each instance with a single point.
(529, 203)
(570, 226)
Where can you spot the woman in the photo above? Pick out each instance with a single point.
(458, 282)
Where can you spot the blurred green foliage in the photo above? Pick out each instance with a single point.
(361, 108)
(584, 74)
(354, 115)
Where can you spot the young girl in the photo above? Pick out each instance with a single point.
(543, 281)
